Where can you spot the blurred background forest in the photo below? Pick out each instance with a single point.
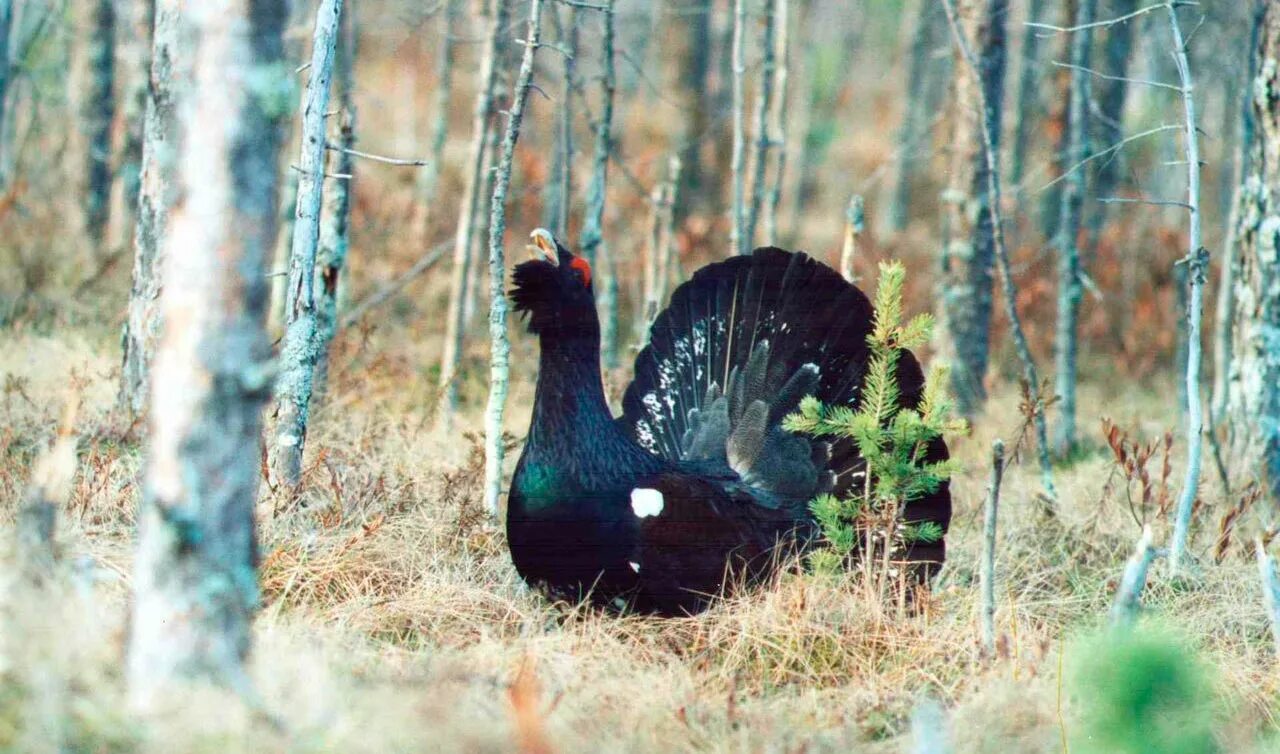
(392, 619)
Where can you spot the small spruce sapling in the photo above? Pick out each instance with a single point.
(891, 439)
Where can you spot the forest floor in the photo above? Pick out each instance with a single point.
(392, 619)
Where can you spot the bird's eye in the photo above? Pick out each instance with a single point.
(584, 269)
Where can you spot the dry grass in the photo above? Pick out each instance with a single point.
(392, 619)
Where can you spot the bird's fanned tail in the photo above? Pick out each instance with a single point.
(734, 352)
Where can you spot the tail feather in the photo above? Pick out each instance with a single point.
(769, 328)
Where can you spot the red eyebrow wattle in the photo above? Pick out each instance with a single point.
(583, 266)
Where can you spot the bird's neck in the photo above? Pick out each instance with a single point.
(570, 391)
(570, 414)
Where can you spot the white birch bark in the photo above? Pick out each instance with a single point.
(737, 207)
(298, 352)
(987, 574)
(195, 586)
(335, 223)
(455, 328)
(1197, 261)
(591, 242)
(155, 196)
(760, 124)
(1253, 394)
(1066, 344)
(500, 346)
(778, 117)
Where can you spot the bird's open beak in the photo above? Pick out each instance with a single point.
(543, 246)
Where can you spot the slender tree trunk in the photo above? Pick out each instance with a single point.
(760, 124)
(1253, 392)
(1222, 336)
(195, 586)
(968, 252)
(687, 43)
(455, 331)
(1067, 339)
(657, 257)
(1030, 378)
(1057, 125)
(155, 195)
(917, 15)
(1027, 100)
(297, 33)
(97, 111)
(442, 103)
(737, 209)
(559, 190)
(592, 238)
(1197, 271)
(987, 569)
(1109, 128)
(500, 347)
(135, 56)
(335, 223)
(298, 351)
(778, 119)
(477, 289)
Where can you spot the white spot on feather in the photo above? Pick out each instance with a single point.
(634, 565)
(646, 502)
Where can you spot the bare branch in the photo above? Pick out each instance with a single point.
(1126, 79)
(1143, 200)
(1108, 22)
(1109, 150)
(375, 157)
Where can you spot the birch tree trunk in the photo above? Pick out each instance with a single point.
(558, 192)
(155, 195)
(1253, 396)
(1057, 124)
(591, 242)
(455, 329)
(1066, 342)
(687, 50)
(298, 352)
(1224, 314)
(898, 209)
(738, 166)
(778, 118)
(97, 111)
(299, 29)
(135, 56)
(968, 251)
(442, 103)
(195, 587)
(500, 346)
(760, 125)
(335, 222)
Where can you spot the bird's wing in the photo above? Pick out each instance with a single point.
(698, 539)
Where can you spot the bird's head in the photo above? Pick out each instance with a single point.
(554, 289)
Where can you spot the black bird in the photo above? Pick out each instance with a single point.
(696, 487)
